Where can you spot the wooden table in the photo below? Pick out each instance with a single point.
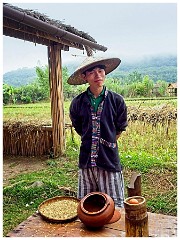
(159, 226)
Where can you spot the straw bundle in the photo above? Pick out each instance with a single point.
(22, 139)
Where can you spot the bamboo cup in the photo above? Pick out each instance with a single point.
(136, 217)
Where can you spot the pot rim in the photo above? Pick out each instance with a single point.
(135, 197)
(90, 194)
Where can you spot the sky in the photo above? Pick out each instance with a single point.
(130, 31)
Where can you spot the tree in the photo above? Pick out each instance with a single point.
(67, 89)
(147, 86)
(43, 80)
(134, 77)
(8, 94)
(162, 87)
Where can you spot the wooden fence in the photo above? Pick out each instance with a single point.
(27, 140)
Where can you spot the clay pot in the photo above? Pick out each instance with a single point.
(96, 209)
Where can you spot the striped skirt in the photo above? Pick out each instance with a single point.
(99, 180)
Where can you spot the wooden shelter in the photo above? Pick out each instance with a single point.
(35, 27)
(172, 89)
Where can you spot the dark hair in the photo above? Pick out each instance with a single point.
(96, 66)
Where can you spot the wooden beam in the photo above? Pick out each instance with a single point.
(34, 38)
(57, 99)
(20, 31)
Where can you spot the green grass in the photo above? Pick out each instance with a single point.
(37, 112)
(151, 102)
(163, 203)
(143, 148)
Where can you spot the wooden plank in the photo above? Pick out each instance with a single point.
(134, 187)
(159, 226)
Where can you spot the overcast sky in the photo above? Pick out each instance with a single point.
(129, 30)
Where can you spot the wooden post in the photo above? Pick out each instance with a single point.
(136, 217)
(134, 188)
(57, 99)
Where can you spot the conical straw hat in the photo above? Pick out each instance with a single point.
(110, 64)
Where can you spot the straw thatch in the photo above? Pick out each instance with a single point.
(22, 31)
(54, 22)
(27, 140)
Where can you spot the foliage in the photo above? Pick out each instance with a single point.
(162, 88)
(157, 68)
(29, 94)
(133, 85)
(43, 80)
(8, 93)
(70, 91)
(134, 77)
(130, 80)
(164, 68)
(136, 85)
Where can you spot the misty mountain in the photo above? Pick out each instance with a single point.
(20, 77)
(158, 68)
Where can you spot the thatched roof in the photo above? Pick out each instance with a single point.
(30, 25)
(172, 85)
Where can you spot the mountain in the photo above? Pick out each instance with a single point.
(20, 77)
(158, 68)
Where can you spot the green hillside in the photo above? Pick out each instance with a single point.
(20, 77)
(158, 68)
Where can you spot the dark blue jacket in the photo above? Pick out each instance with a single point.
(113, 121)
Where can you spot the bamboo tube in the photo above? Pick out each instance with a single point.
(136, 217)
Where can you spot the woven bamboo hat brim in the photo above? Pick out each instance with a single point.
(110, 64)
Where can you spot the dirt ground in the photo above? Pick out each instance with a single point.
(12, 166)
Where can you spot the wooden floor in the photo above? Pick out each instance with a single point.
(159, 226)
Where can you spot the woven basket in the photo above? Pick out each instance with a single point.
(43, 207)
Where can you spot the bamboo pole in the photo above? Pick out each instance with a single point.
(57, 99)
